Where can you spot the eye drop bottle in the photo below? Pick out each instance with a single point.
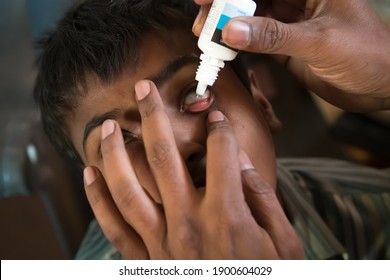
(215, 51)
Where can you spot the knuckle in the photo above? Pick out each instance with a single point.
(262, 188)
(115, 239)
(229, 219)
(274, 36)
(263, 191)
(161, 153)
(186, 237)
(257, 185)
(128, 201)
(125, 197)
(220, 126)
(229, 222)
(130, 245)
(223, 143)
(109, 146)
(94, 199)
(227, 227)
(150, 110)
(293, 249)
(222, 132)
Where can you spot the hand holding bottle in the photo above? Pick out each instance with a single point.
(214, 49)
(338, 49)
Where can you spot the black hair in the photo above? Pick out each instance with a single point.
(96, 37)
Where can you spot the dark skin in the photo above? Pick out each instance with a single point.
(159, 196)
(166, 199)
(338, 49)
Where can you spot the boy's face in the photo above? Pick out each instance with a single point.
(172, 67)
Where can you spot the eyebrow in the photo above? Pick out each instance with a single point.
(172, 67)
(98, 121)
(162, 76)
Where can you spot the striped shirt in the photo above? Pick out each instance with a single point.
(339, 210)
(348, 206)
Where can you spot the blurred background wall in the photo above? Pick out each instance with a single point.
(43, 211)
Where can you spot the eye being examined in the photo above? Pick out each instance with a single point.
(193, 103)
(129, 137)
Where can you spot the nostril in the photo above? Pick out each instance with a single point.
(196, 156)
(196, 165)
(193, 157)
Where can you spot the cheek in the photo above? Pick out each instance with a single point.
(254, 138)
(259, 147)
(189, 128)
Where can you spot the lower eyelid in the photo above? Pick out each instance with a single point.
(126, 142)
(199, 106)
(131, 137)
(126, 134)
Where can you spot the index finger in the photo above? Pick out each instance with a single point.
(171, 175)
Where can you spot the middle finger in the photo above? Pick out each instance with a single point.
(132, 201)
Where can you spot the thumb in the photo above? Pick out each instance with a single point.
(266, 35)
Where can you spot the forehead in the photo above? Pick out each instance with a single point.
(157, 51)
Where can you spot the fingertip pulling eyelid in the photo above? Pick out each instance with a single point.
(193, 103)
(128, 137)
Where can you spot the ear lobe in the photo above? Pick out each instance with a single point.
(274, 123)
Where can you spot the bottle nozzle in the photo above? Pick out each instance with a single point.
(201, 88)
(207, 72)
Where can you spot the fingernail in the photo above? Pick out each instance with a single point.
(197, 20)
(108, 128)
(237, 33)
(89, 176)
(215, 116)
(142, 89)
(245, 162)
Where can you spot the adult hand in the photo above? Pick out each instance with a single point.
(338, 49)
(236, 216)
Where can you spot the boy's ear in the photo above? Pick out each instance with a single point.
(274, 123)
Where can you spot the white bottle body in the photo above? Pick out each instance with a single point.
(215, 51)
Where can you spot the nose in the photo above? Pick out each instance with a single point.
(193, 154)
